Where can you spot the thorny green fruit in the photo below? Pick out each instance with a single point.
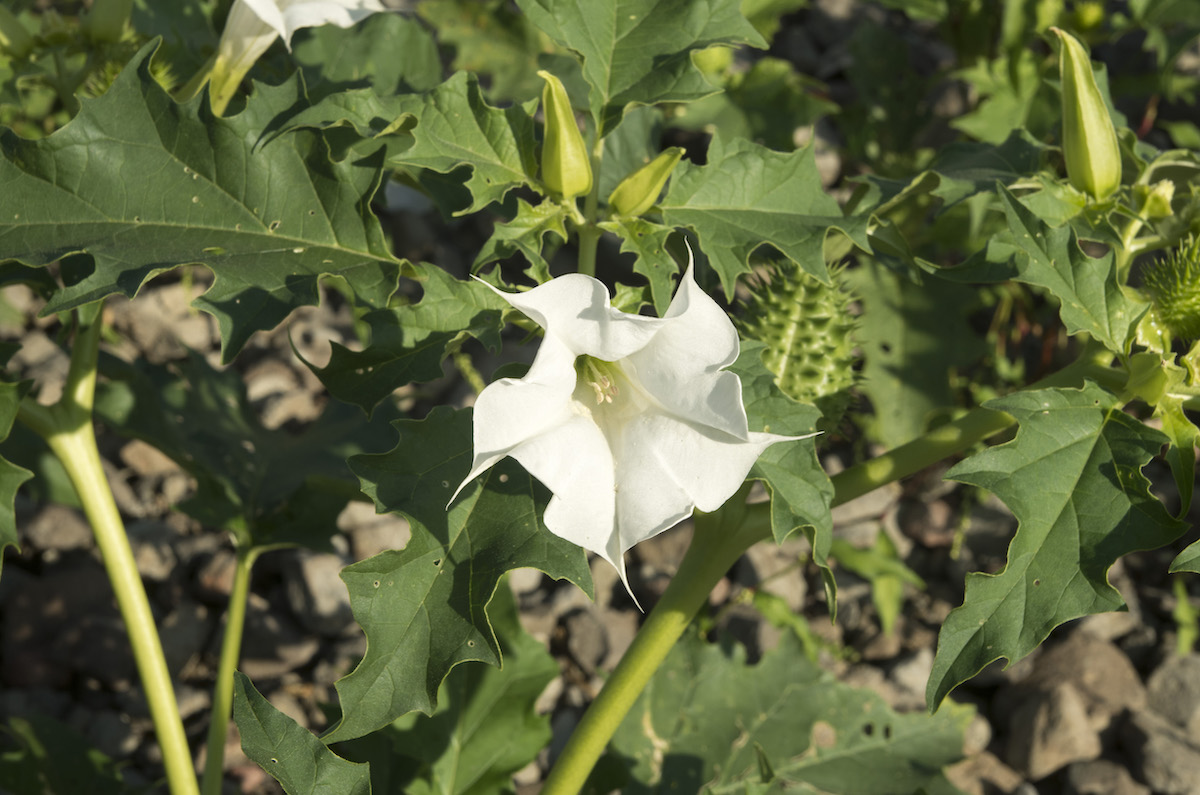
(637, 193)
(808, 330)
(15, 40)
(1088, 136)
(1173, 286)
(566, 167)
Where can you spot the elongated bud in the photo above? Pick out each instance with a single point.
(15, 40)
(566, 168)
(637, 193)
(1089, 138)
(106, 20)
(1154, 201)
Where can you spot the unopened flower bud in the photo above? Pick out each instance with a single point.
(566, 167)
(15, 40)
(637, 192)
(1089, 138)
(1154, 201)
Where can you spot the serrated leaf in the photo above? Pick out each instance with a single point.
(647, 241)
(707, 719)
(253, 480)
(396, 53)
(289, 752)
(423, 607)
(639, 51)
(449, 127)
(913, 337)
(11, 475)
(800, 490)
(526, 233)
(1092, 299)
(409, 343)
(144, 184)
(484, 730)
(634, 143)
(1073, 478)
(748, 196)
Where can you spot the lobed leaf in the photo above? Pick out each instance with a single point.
(409, 343)
(748, 196)
(144, 184)
(710, 723)
(639, 51)
(424, 608)
(289, 752)
(525, 233)
(11, 475)
(1073, 478)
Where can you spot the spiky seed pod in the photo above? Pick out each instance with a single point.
(808, 330)
(1173, 286)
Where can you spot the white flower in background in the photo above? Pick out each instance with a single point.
(629, 420)
(253, 25)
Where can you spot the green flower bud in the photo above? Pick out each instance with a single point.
(1154, 201)
(1089, 14)
(566, 167)
(637, 193)
(1089, 138)
(1173, 286)
(107, 19)
(15, 40)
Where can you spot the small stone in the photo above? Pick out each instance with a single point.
(587, 639)
(151, 542)
(1161, 755)
(983, 774)
(1102, 777)
(214, 580)
(112, 733)
(1048, 733)
(316, 592)
(60, 528)
(930, 524)
(146, 460)
(184, 633)
(371, 533)
(621, 627)
(272, 644)
(525, 580)
(1174, 690)
(910, 675)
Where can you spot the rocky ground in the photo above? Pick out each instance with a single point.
(1109, 706)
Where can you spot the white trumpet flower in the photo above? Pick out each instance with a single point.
(630, 421)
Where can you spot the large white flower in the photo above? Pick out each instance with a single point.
(629, 420)
(253, 25)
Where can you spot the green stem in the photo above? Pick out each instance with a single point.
(231, 647)
(723, 536)
(67, 429)
(589, 233)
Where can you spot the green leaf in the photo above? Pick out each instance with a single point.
(1092, 299)
(53, 759)
(423, 607)
(647, 241)
(748, 196)
(449, 127)
(11, 475)
(800, 490)
(271, 487)
(144, 184)
(635, 142)
(707, 722)
(485, 727)
(1073, 478)
(409, 343)
(289, 752)
(639, 51)
(913, 338)
(396, 53)
(525, 233)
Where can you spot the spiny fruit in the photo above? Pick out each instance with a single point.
(1173, 286)
(808, 330)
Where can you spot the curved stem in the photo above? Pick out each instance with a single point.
(231, 647)
(723, 536)
(67, 429)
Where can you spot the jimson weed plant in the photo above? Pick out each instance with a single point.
(707, 313)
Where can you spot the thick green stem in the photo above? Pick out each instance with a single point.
(723, 536)
(589, 233)
(231, 647)
(67, 429)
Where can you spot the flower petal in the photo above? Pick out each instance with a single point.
(511, 411)
(649, 500)
(288, 16)
(680, 367)
(576, 309)
(706, 464)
